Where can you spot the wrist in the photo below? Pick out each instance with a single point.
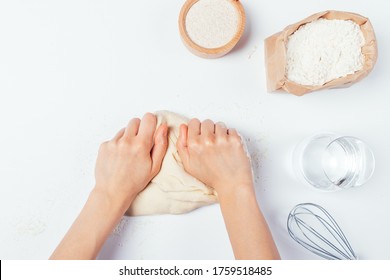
(236, 192)
(115, 201)
(238, 202)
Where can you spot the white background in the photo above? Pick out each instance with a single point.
(72, 73)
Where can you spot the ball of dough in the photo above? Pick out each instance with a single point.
(173, 190)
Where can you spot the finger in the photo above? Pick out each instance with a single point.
(119, 134)
(234, 135)
(147, 128)
(222, 124)
(160, 148)
(181, 144)
(131, 129)
(220, 129)
(193, 128)
(233, 132)
(183, 137)
(207, 127)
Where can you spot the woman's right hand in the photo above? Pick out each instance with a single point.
(215, 155)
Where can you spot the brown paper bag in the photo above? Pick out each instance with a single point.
(275, 55)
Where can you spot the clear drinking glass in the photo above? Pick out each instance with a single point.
(329, 162)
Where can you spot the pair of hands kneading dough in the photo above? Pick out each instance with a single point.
(126, 163)
(172, 190)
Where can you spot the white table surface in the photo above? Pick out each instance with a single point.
(74, 72)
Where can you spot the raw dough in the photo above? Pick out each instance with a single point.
(172, 191)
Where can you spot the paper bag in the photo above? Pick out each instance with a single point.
(275, 55)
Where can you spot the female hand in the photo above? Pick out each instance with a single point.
(127, 163)
(215, 155)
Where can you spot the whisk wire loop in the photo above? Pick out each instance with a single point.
(311, 226)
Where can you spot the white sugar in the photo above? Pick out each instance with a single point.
(323, 50)
(212, 23)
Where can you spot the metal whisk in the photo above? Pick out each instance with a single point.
(315, 229)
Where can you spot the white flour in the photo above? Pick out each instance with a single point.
(323, 50)
(212, 23)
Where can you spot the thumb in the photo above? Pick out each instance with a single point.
(181, 144)
(160, 148)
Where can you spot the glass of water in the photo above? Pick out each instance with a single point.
(329, 162)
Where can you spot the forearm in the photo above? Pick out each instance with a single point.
(247, 228)
(90, 230)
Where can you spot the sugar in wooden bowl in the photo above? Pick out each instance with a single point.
(211, 28)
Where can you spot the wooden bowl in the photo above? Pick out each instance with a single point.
(210, 52)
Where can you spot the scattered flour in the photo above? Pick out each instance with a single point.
(29, 226)
(212, 23)
(120, 227)
(324, 50)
